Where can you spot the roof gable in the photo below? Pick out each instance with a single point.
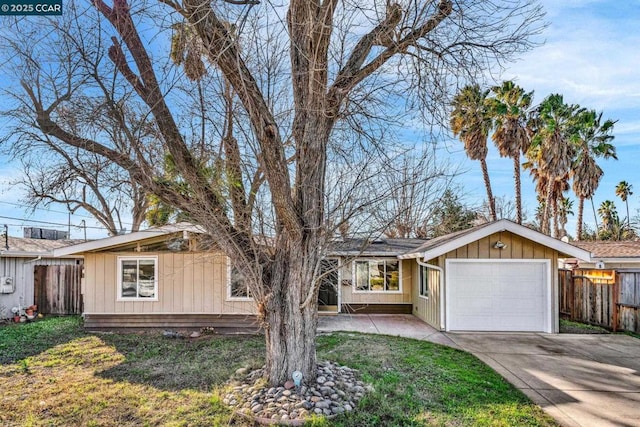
(125, 239)
(444, 244)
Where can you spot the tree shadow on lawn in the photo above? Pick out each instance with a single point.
(22, 340)
(179, 364)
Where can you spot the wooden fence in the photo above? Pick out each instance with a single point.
(610, 299)
(57, 289)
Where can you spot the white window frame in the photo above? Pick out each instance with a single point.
(229, 294)
(119, 279)
(355, 278)
(423, 271)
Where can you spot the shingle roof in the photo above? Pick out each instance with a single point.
(606, 249)
(18, 245)
(378, 247)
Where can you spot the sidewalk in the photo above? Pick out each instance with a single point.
(400, 325)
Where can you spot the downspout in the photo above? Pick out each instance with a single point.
(424, 264)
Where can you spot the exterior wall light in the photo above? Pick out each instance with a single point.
(499, 245)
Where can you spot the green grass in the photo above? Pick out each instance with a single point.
(54, 373)
(571, 327)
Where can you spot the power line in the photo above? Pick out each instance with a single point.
(44, 209)
(54, 211)
(57, 224)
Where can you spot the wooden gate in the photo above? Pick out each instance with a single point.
(58, 289)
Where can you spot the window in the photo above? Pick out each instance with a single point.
(137, 278)
(377, 275)
(423, 278)
(238, 286)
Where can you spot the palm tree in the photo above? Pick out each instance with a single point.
(565, 208)
(551, 150)
(593, 141)
(608, 214)
(471, 123)
(623, 190)
(510, 109)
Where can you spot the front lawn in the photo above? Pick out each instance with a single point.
(53, 373)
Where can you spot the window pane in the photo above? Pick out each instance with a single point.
(239, 288)
(424, 281)
(362, 275)
(392, 276)
(129, 278)
(146, 278)
(376, 275)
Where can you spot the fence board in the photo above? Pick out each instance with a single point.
(57, 289)
(594, 298)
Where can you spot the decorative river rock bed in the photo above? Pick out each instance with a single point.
(337, 391)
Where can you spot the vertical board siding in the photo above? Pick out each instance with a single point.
(187, 283)
(58, 289)
(427, 309)
(21, 270)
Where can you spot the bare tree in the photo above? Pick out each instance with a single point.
(343, 57)
(414, 185)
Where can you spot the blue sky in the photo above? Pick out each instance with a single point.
(590, 56)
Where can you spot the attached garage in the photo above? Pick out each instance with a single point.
(496, 277)
(505, 295)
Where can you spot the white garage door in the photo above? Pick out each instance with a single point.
(506, 295)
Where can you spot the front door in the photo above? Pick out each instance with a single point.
(328, 294)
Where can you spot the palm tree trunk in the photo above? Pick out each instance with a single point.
(546, 223)
(626, 201)
(595, 216)
(579, 224)
(556, 219)
(518, 190)
(487, 184)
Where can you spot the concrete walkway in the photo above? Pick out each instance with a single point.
(580, 380)
(400, 325)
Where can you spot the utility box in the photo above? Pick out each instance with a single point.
(43, 233)
(7, 285)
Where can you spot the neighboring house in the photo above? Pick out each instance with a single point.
(496, 277)
(17, 269)
(609, 255)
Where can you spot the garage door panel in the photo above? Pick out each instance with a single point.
(497, 296)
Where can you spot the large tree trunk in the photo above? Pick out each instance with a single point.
(290, 324)
(595, 217)
(546, 223)
(518, 189)
(580, 215)
(487, 184)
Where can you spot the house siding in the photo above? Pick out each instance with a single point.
(427, 309)
(192, 283)
(21, 270)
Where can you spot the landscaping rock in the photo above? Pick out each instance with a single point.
(336, 391)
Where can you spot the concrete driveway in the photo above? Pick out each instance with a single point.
(580, 380)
